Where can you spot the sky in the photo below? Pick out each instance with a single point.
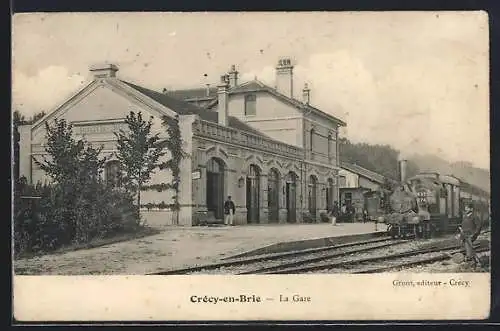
(417, 81)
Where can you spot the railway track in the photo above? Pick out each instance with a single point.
(242, 265)
(421, 259)
(354, 257)
(374, 264)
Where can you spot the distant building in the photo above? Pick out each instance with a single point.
(359, 188)
(275, 155)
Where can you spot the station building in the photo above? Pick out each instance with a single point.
(360, 188)
(275, 155)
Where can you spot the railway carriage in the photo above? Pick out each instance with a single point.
(437, 205)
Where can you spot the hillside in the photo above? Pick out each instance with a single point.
(463, 170)
(383, 159)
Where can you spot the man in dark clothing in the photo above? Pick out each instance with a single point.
(336, 209)
(471, 227)
(365, 215)
(334, 213)
(229, 210)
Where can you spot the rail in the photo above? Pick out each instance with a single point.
(230, 135)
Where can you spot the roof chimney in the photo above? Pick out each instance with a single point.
(284, 77)
(402, 170)
(233, 76)
(223, 100)
(105, 70)
(306, 94)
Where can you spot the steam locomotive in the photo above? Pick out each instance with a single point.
(431, 204)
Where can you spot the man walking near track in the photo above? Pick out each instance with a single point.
(229, 210)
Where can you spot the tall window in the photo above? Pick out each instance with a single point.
(313, 184)
(329, 194)
(113, 174)
(311, 139)
(329, 146)
(342, 181)
(250, 105)
(348, 199)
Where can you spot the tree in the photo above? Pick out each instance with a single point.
(74, 167)
(139, 152)
(76, 207)
(19, 119)
(174, 145)
(382, 159)
(70, 161)
(36, 117)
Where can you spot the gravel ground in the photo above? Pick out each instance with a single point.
(288, 259)
(412, 245)
(177, 247)
(448, 266)
(379, 250)
(400, 248)
(360, 267)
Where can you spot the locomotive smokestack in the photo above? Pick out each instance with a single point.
(402, 170)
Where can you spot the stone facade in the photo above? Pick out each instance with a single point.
(277, 163)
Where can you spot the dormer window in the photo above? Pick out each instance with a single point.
(250, 105)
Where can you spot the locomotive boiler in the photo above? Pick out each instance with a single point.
(432, 204)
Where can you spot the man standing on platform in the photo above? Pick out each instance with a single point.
(229, 210)
(365, 215)
(470, 229)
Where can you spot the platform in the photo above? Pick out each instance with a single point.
(178, 247)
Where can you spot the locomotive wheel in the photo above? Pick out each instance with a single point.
(393, 231)
(419, 232)
(405, 231)
(426, 231)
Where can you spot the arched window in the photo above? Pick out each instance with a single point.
(215, 165)
(113, 173)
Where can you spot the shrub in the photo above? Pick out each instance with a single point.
(78, 206)
(64, 216)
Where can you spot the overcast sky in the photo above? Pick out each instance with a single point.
(417, 81)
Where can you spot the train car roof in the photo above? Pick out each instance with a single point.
(450, 179)
(474, 190)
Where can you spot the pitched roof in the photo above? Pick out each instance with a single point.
(258, 86)
(185, 108)
(250, 86)
(363, 172)
(194, 94)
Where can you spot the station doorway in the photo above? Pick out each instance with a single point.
(273, 194)
(215, 187)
